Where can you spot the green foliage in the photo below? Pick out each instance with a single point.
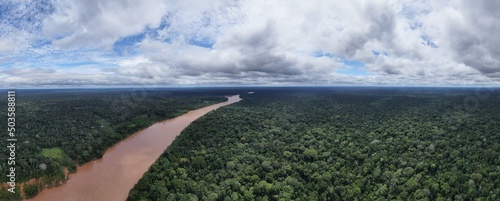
(199, 161)
(310, 153)
(30, 190)
(63, 128)
(53, 153)
(8, 196)
(336, 144)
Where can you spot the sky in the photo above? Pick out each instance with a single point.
(72, 43)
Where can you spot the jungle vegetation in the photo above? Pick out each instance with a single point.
(59, 129)
(336, 144)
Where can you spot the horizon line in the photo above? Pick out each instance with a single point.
(248, 86)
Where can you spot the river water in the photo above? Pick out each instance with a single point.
(113, 176)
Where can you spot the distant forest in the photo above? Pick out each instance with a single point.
(337, 144)
(59, 129)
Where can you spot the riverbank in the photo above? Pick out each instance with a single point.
(66, 128)
(112, 176)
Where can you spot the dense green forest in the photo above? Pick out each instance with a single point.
(64, 128)
(337, 144)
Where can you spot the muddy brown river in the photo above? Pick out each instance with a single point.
(113, 176)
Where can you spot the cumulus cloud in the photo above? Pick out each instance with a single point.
(97, 23)
(473, 36)
(411, 42)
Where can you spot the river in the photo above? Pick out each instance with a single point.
(113, 176)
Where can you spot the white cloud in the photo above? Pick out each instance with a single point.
(261, 42)
(6, 46)
(98, 23)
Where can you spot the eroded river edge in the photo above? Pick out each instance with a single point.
(122, 166)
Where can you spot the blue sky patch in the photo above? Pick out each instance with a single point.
(352, 71)
(205, 42)
(41, 43)
(352, 67)
(128, 44)
(81, 63)
(353, 63)
(25, 15)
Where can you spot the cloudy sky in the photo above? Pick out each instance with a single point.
(248, 42)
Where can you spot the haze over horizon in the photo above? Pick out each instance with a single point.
(241, 43)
